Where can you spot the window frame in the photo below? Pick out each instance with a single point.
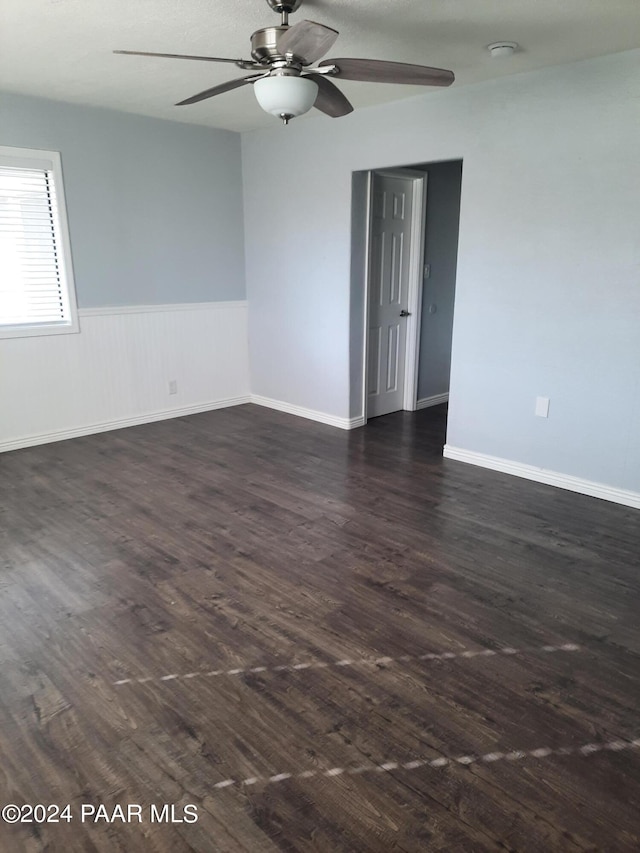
(37, 158)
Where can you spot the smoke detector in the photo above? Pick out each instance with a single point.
(502, 49)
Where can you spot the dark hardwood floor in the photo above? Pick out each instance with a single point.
(323, 641)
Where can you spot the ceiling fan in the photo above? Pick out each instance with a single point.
(283, 82)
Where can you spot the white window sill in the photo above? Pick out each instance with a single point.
(31, 330)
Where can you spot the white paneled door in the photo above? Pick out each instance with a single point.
(389, 297)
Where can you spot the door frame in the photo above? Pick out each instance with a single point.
(414, 293)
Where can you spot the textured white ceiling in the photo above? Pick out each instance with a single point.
(62, 49)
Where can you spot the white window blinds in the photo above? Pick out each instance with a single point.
(34, 286)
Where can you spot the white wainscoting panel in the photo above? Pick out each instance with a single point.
(544, 475)
(116, 371)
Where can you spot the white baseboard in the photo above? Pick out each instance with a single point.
(543, 475)
(121, 423)
(310, 414)
(434, 400)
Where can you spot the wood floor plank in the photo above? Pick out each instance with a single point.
(232, 610)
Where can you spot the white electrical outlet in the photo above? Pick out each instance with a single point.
(542, 407)
(173, 386)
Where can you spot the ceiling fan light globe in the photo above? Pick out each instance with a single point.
(282, 95)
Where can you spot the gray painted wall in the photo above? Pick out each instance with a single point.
(547, 296)
(441, 251)
(154, 207)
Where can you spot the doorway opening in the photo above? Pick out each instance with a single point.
(408, 259)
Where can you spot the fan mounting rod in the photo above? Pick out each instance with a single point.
(284, 8)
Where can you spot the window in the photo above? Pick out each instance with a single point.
(37, 294)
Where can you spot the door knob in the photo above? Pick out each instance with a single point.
(404, 313)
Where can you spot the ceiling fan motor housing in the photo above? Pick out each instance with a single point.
(264, 45)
